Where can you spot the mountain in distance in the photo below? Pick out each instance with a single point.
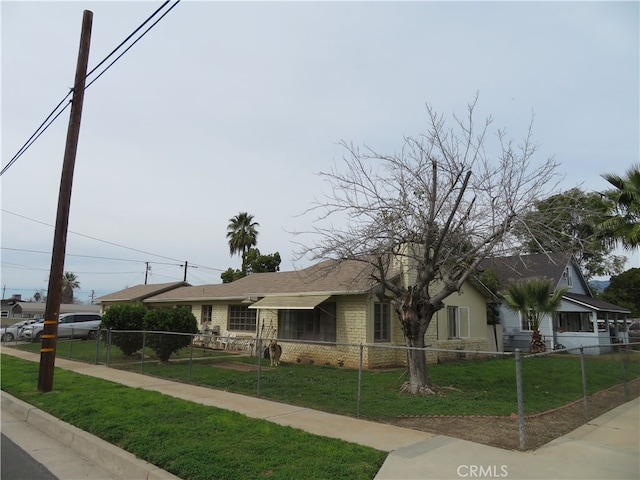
(599, 285)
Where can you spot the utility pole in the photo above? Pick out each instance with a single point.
(54, 294)
(146, 272)
(186, 264)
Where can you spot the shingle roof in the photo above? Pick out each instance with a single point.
(139, 292)
(520, 267)
(331, 276)
(38, 308)
(595, 303)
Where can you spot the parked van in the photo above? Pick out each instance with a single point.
(70, 325)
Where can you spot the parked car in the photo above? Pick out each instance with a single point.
(634, 332)
(70, 325)
(16, 331)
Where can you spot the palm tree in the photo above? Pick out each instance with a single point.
(533, 299)
(242, 235)
(624, 225)
(69, 284)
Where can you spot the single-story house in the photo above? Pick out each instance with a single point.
(138, 293)
(581, 320)
(322, 313)
(14, 307)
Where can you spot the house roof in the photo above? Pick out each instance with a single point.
(594, 303)
(331, 277)
(551, 266)
(38, 308)
(521, 267)
(140, 292)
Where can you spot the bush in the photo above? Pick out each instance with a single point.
(178, 320)
(125, 317)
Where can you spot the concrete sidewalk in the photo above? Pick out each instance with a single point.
(608, 447)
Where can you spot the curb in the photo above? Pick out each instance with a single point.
(119, 462)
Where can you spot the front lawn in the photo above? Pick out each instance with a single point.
(481, 387)
(192, 441)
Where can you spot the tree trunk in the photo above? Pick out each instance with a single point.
(419, 381)
(414, 328)
(537, 344)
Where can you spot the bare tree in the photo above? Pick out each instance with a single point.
(435, 210)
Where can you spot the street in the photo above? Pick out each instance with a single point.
(16, 464)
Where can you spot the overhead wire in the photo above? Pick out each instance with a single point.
(49, 120)
(173, 260)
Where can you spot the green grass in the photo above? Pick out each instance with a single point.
(189, 440)
(481, 387)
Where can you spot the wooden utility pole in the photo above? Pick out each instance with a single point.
(54, 293)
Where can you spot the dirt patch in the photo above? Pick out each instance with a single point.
(239, 366)
(540, 429)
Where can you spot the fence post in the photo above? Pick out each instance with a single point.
(191, 356)
(71, 345)
(359, 383)
(144, 342)
(98, 335)
(259, 346)
(108, 347)
(585, 392)
(624, 376)
(523, 443)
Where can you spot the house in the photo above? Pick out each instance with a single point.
(15, 308)
(137, 294)
(322, 313)
(581, 320)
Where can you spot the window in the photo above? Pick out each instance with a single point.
(241, 318)
(206, 313)
(575, 322)
(381, 322)
(79, 317)
(567, 276)
(317, 325)
(525, 323)
(458, 322)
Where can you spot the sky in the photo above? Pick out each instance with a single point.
(228, 107)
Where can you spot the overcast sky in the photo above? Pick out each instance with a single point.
(230, 107)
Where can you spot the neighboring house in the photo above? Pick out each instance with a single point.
(14, 307)
(581, 320)
(137, 294)
(323, 313)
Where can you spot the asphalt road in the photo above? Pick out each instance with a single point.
(16, 464)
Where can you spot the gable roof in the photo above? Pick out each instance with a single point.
(140, 292)
(333, 277)
(521, 267)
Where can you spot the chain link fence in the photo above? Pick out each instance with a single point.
(510, 400)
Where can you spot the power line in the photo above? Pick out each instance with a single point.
(93, 238)
(49, 120)
(178, 262)
(85, 256)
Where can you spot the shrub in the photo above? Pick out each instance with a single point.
(125, 317)
(178, 320)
